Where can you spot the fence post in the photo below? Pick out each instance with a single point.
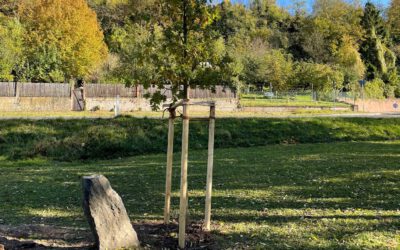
(71, 96)
(116, 108)
(84, 96)
(139, 97)
(17, 92)
(363, 102)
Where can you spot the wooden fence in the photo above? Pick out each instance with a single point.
(7, 89)
(218, 92)
(44, 90)
(195, 93)
(151, 90)
(109, 90)
(10, 89)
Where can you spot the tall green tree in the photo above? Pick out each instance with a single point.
(379, 59)
(320, 77)
(236, 23)
(266, 67)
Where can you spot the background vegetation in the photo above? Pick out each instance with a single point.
(335, 45)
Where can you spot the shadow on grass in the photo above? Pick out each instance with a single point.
(313, 196)
(45, 237)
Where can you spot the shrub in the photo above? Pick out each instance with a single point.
(375, 89)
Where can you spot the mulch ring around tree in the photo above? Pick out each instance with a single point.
(152, 235)
(156, 235)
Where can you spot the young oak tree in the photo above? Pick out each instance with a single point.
(63, 39)
(176, 48)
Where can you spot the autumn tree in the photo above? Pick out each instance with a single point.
(272, 22)
(63, 39)
(394, 25)
(11, 57)
(393, 14)
(333, 24)
(8, 7)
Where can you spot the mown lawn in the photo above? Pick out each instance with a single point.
(343, 195)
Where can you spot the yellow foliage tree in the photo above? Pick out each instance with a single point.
(63, 39)
(394, 18)
(11, 34)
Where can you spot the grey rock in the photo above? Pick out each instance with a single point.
(107, 215)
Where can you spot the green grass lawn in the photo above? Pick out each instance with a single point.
(81, 139)
(343, 195)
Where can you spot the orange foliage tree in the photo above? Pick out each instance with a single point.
(63, 39)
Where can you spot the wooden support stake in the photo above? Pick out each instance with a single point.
(168, 178)
(184, 167)
(210, 163)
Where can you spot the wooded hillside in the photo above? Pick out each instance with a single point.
(262, 44)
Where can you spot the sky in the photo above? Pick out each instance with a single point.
(381, 3)
(286, 3)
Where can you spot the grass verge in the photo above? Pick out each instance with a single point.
(83, 139)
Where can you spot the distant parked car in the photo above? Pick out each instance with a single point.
(269, 94)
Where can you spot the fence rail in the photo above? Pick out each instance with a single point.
(10, 89)
(218, 92)
(44, 90)
(109, 90)
(7, 89)
(152, 89)
(195, 93)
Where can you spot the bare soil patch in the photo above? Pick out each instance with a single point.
(152, 235)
